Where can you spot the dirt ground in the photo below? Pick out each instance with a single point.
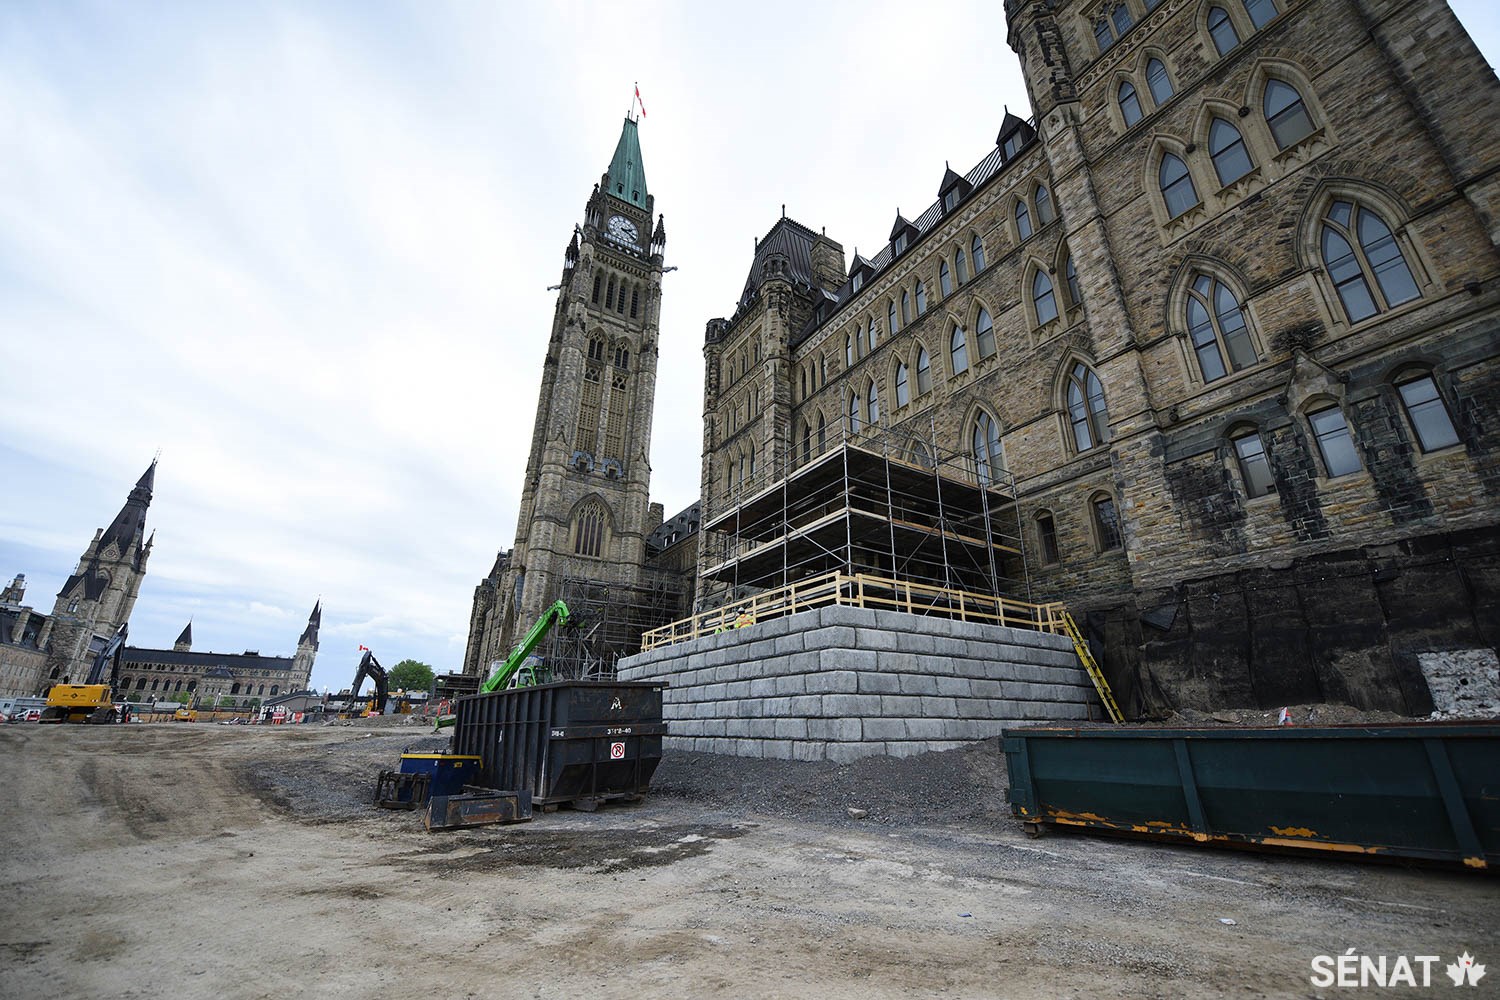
(191, 861)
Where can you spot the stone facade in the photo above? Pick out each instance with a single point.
(1244, 295)
(585, 513)
(38, 650)
(241, 680)
(839, 683)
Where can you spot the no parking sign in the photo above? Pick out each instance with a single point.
(617, 751)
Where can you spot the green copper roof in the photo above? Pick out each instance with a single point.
(627, 176)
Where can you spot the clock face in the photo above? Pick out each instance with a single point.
(622, 229)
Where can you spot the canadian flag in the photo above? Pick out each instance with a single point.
(639, 101)
(363, 649)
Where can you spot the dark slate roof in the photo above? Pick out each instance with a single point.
(793, 242)
(987, 168)
(8, 624)
(685, 523)
(125, 530)
(204, 661)
(314, 622)
(187, 634)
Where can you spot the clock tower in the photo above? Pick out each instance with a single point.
(585, 510)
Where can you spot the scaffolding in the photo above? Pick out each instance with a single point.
(876, 520)
(605, 623)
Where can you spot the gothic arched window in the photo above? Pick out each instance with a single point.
(848, 350)
(1216, 325)
(984, 333)
(1044, 211)
(903, 391)
(870, 335)
(806, 442)
(1087, 413)
(905, 307)
(1023, 220)
(977, 249)
(1365, 262)
(1286, 114)
(890, 317)
(989, 455)
(961, 267)
(1221, 29)
(1075, 294)
(1130, 103)
(588, 532)
(822, 433)
(921, 298)
(1260, 11)
(958, 350)
(1176, 186)
(872, 403)
(1226, 147)
(924, 372)
(1043, 298)
(945, 280)
(1158, 82)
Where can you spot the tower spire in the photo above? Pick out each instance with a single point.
(627, 175)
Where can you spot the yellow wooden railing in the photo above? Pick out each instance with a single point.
(861, 590)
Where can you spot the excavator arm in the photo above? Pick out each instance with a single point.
(556, 615)
(370, 667)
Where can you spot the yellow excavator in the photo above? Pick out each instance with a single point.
(94, 699)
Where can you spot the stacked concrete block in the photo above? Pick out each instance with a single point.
(839, 683)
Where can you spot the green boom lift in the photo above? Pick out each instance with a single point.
(556, 615)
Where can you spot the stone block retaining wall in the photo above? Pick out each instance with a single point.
(838, 683)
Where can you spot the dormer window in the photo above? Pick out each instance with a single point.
(899, 246)
(1012, 145)
(856, 281)
(951, 199)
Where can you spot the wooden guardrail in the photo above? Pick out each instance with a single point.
(861, 590)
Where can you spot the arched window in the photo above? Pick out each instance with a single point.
(635, 300)
(961, 266)
(924, 372)
(1023, 220)
(1122, 18)
(1043, 298)
(1176, 186)
(1260, 11)
(140, 685)
(1365, 262)
(822, 433)
(1335, 443)
(588, 532)
(872, 403)
(945, 280)
(1046, 529)
(609, 298)
(598, 280)
(1158, 82)
(622, 357)
(1216, 324)
(958, 349)
(804, 384)
(1086, 410)
(1130, 103)
(905, 307)
(596, 349)
(977, 248)
(984, 334)
(1425, 412)
(233, 688)
(1227, 149)
(124, 683)
(1106, 522)
(870, 335)
(1221, 29)
(989, 456)
(275, 690)
(806, 442)
(752, 460)
(742, 469)
(920, 455)
(1103, 35)
(192, 686)
(921, 299)
(903, 391)
(890, 317)
(1044, 212)
(853, 413)
(1286, 114)
(848, 350)
(1075, 294)
(1255, 470)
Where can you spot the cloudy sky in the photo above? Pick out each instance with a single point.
(304, 251)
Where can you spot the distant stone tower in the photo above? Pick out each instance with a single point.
(307, 649)
(585, 511)
(97, 599)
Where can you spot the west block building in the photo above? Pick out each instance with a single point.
(1225, 310)
(229, 679)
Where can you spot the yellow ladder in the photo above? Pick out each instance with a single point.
(1095, 674)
